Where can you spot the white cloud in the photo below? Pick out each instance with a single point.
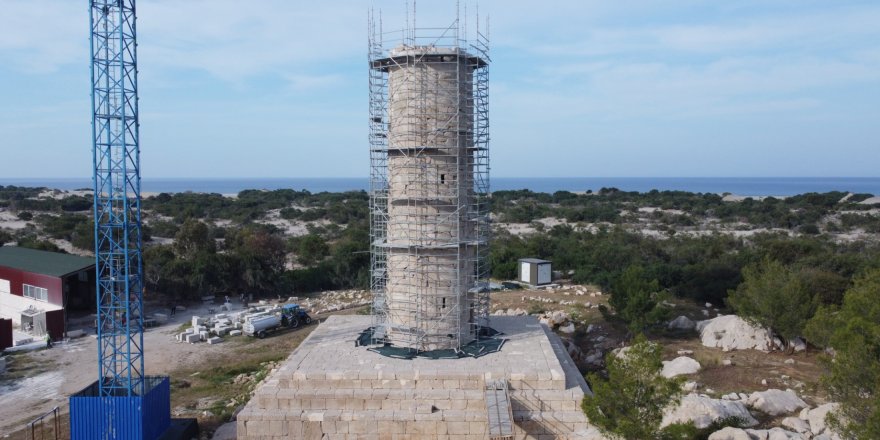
(565, 72)
(721, 66)
(40, 37)
(748, 85)
(810, 30)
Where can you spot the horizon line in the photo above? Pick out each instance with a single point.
(494, 177)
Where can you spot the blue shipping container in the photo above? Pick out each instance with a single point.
(109, 418)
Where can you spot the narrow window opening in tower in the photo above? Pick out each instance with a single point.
(444, 303)
(443, 179)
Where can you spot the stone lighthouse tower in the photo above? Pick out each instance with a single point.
(429, 150)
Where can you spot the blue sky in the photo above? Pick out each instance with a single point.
(278, 88)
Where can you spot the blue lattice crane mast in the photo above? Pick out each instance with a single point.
(116, 177)
(123, 403)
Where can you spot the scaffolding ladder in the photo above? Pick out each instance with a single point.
(499, 410)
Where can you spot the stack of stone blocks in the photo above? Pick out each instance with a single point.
(331, 389)
(220, 325)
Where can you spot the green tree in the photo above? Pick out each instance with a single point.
(192, 239)
(350, 258)
(83, 235)
(31, 241)
(629, 403)
(774, 296)
(311, 249)
(209, 273)
(157, 260)
(710, 279)
(637, 299)
(504, 250)
(853, 377)
(828, 286)
(76, 203)
(259, 255)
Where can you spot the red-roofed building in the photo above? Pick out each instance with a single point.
(38, 288)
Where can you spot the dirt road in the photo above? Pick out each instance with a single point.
(70, 367)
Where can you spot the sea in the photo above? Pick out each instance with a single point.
(744, 186)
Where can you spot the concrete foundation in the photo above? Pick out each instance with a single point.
(331, 389)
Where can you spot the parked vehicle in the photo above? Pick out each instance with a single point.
(289, 316)
(261, 326)
(292, 315)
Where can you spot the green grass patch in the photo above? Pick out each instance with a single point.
(21, 365)
(209, 390)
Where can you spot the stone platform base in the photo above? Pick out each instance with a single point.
(331, 389)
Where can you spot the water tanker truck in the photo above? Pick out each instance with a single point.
(290, 316)
(261, 325)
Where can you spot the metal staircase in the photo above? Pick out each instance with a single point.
(499, 410)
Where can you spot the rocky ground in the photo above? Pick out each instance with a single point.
(206, 382)
(648, 221)
(731, 367)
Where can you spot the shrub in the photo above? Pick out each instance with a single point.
(774, 296)
(629, 403)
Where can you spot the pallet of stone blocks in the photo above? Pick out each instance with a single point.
(219, 325)
(331, 389)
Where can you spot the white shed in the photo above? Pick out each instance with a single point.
(535, 272)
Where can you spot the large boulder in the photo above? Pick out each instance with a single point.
(554, 319)
(559, 317)
(595, 358)
(730, 332)
(816, 417)
(776, 402)
(796, 424)
(567, 328)
(682, 323)
(225, 432)
(730, 434)
(755, 434)
(680, 366)
(774, 434)
(703, 410)
(781, 434)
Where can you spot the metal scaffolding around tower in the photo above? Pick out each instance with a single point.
(429, 184)
(117, 211)
(123, 402)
